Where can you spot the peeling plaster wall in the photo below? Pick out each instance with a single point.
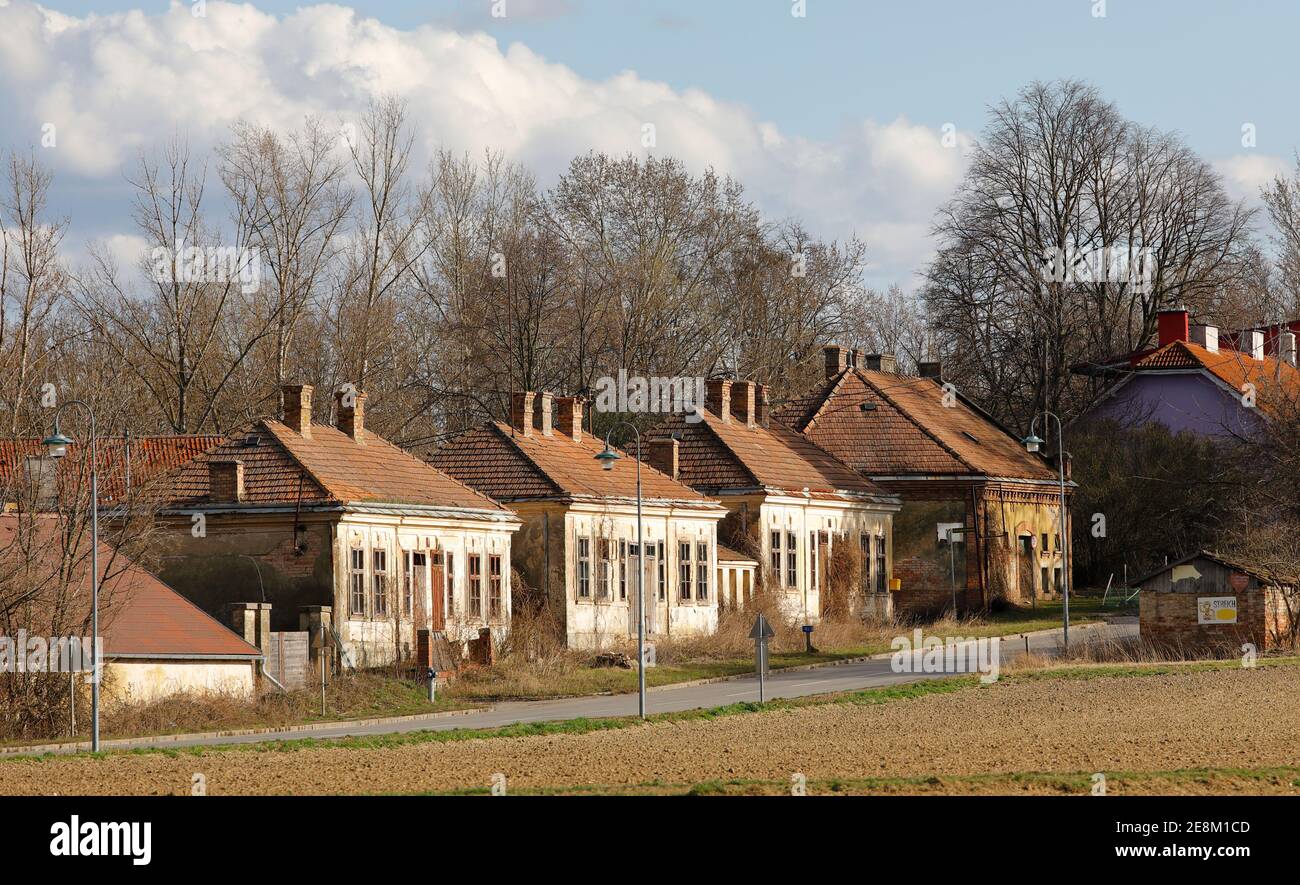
(802, 601)
(138, 682)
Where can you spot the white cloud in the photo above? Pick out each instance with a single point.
(120, 83)
(1244, 174)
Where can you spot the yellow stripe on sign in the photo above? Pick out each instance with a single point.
(1226, 614)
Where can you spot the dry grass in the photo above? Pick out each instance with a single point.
(354, 696)
(1099, 649)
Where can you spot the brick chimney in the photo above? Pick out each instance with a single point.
(837, 359)
(930, 369)
(226, 481)
(352, 413)
(879, 362)
(760, 405)
(1205, 336)
(743, 396)
(663, 455)
(1172, 325)
(718, 398)
(295, 403)
(542, 412)
(521, 412)
(570, 418)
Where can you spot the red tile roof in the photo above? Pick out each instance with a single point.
(906, 429)
(282, 466)
(511, 467)
(139, 614)
(150, 458)
(714, 454)
(1232, 367)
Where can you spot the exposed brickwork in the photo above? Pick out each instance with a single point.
(296, 403)
(663, 456)
(1170, 619)
(226, 481)
(570, 417)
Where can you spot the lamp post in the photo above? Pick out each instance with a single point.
(57, 446)
(607, 459)
(1033, 443)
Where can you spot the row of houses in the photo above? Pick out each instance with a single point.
(876, 493)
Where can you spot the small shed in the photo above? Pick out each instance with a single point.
(737, 578)
(1207, 601)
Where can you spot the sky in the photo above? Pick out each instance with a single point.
(830, 111)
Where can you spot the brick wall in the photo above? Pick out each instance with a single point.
(1169, 619)
(925, 587)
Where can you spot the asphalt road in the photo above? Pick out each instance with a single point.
(780, 684)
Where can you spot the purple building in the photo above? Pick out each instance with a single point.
(1200, 381)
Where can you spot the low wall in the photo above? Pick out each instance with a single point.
(142, 681)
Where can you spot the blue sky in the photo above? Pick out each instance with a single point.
(858, 81)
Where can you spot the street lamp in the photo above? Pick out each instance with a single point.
(56, 444)
(607, 459)
(1034, 443)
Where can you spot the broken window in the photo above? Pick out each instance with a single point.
(475, 585)
(494, 586)
(882, 565)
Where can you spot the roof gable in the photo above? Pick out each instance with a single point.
(906, 429)
(773, 457)
(1231, 368)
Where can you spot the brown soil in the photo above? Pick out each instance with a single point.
(971, 741)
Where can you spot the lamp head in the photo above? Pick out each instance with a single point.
(607, 458)
(56, 444)
(1033, 442)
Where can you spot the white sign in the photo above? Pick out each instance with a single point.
(1216, 609)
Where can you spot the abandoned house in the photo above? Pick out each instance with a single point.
(578, 547)
(820, 530)
(336, 521)
(156, 643)
(980, 517)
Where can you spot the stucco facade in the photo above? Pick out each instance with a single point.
(144, 681)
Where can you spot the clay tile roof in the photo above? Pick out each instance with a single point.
(511, 466)
(150, 458)
(139, 614)
(282, 467)
(1232, 367)
(726, 554)
(906, 429)
(714, 454)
